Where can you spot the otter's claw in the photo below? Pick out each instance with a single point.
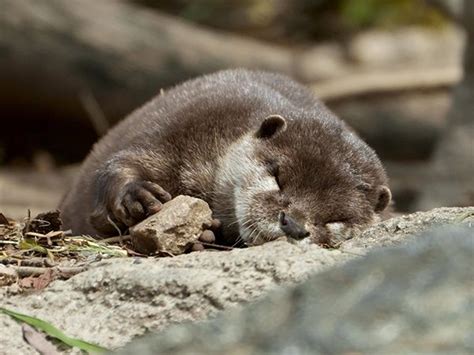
(139, 200)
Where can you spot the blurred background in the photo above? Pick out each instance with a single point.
(399, 71)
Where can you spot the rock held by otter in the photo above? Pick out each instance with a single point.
(269, 158)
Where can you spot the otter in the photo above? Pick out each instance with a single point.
(269, 158)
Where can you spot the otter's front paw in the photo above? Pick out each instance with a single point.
(138, 200)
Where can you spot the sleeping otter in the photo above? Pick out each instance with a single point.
(269, 158)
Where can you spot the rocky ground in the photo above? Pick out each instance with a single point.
(116, 300)
(414, 299)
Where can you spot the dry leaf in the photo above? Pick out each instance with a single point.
(38, 282)
(3, 219)
(44, 223)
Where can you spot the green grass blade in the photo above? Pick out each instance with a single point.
(54, 332)
(27, 244)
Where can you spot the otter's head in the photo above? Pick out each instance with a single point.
(298, 178)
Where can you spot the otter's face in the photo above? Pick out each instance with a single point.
(299, 179)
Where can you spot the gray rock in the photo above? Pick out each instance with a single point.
(174, 228)
(403, 229)
(416, 299)
(119, 299)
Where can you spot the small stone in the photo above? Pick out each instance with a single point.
(174, 228)
(8, 275)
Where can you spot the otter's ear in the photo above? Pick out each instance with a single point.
(383, 198)
(271, 126)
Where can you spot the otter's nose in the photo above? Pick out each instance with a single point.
(291, 228)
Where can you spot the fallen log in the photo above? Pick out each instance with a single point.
(58, 51)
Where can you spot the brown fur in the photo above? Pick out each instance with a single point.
(206, 138)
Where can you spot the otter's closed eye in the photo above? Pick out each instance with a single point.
(274, 170)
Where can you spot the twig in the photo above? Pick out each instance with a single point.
(24, 271)
(27, 226)
(114, 225)
(13, 242)
(117, 239)
(135, 253)
(217, 246)
(55, 234)
(37, 262)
